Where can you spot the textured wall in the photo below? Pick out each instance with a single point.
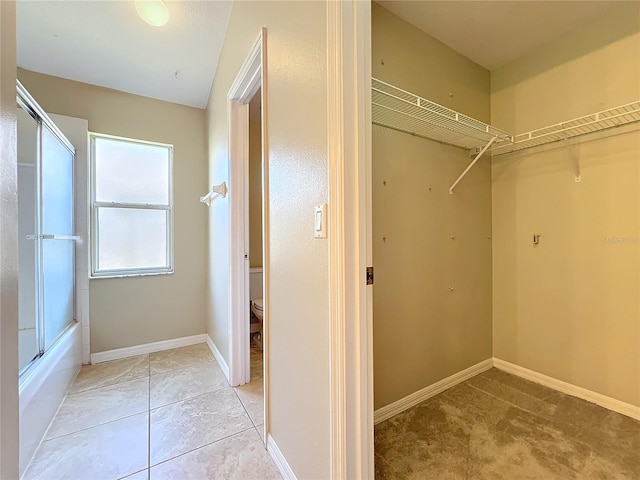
(570, 307)
(298, 322)
(8, 245)
(138, 310)
(423, 332)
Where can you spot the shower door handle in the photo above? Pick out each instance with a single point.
(53, 236)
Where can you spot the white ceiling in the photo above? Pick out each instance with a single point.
(493, 33)
(106, 43)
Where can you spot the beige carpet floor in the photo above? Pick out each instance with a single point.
(496, 426)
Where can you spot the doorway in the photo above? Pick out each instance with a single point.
(248, 176)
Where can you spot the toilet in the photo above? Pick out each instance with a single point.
(257, 306)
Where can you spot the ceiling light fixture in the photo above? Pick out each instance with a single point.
(154, 12)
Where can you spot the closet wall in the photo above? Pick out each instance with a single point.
(423, 332)
(569, 307)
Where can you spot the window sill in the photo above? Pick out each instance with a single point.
(129, 275)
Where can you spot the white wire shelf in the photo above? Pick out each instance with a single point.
(400, 110)
(613, 117)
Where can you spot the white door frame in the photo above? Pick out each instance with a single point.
(349, 224)
(350, 237)
(249, 80)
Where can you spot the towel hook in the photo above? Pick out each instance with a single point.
(215, 190)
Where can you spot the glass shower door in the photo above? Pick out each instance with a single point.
(46, 240)
(57, 238)
(29, 326)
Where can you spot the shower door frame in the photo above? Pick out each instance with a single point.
(32, 108)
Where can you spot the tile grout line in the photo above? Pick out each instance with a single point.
(202, 446)
(243, 405)
(92, 426)
(148, 468)
(140, 377)
(185, 367)
(187, 398)
(98, 387)
(148, 355)
(117, 384)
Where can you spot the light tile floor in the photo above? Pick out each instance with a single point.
(167, 415)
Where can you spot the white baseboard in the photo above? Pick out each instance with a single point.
(219, 358)
(279, 460)
(570, 389)
(146, 348)
(415, 398)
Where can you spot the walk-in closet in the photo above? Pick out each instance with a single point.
(506, 245)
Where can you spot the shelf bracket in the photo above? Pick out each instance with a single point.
(484, 149)
(575, 160)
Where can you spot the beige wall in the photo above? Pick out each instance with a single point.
(422, 331)
(569, 307)
(406, 57)
(255, 192)
(8, 245)
(298, 264)
(138, 310)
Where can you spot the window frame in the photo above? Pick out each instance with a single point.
(95, 206)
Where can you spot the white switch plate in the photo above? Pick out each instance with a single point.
(320, 221)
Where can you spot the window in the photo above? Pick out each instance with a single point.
(131, 207)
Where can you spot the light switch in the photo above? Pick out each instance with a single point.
(320, 221)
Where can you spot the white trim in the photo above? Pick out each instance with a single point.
(77, 131)
(95, 207)
(570, 389)
(244, 87)
(218, 356)
(266, 244)
(238, 264)
(423, 394)
(362, 238)
(279, 460)
(33, 379)
(349, 224)
(146, 348)
(336, 221)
